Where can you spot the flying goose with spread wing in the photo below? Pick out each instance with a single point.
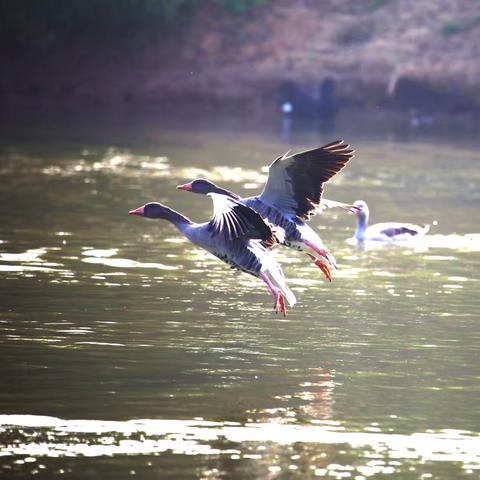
(293, 194)
(234, 235)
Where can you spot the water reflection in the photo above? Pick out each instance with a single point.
(469, 242)
(126, 163)
(103, 318)
(35, 437)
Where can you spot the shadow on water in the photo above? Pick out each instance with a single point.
(128, 351)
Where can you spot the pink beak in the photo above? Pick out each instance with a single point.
(185, 186)
(137, 211)
(354, 210)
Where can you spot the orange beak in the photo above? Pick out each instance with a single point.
(185, 186)
(137, 211)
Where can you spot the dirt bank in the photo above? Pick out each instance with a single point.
(408, 53)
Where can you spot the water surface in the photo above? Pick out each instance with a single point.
(126, 351)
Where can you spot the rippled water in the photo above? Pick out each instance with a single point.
(126, 351)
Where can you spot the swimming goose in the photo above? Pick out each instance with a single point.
(384, 232)
(292, 194)
(234, 235)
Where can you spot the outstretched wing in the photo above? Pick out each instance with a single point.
(295, 182)
(234, 220)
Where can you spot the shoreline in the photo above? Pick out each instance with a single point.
(34, 119)
(396, 55)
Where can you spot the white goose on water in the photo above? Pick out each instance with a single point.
(235, 235)
(384, 232)
(292, 194)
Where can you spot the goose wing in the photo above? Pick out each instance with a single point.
(234, 220)
(295, 182)
(395, 230)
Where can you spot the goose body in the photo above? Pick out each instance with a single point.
(384, 232)
(292, 194)
(234, 235)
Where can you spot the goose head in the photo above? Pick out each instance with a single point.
(361, 209)
(152, 210)
(200, 185)
(362, 219)
(204, 187)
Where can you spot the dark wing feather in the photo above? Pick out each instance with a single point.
(295, 183)
(394, 231)
(234, 220)
(311, 169)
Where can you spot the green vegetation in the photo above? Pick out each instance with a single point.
(366, 6)
(356, 33)
(239, 6)
(373, 5)
(453, 27)
(39, 24)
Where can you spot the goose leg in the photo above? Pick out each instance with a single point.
(323, 253)
(279, 305)
(319, 263)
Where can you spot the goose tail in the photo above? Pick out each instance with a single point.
(425, 229)
(277, 277)
(289, 295)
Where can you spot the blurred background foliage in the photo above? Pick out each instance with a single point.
(29, 25)
(406, 53)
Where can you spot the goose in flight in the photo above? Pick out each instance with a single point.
(293, 194)
(234, 235)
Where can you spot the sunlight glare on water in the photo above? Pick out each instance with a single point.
(127, 349)
(195, 437)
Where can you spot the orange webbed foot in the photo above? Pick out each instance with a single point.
(279, 306)
(321, 266)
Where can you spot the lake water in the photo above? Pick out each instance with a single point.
(126, 352)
